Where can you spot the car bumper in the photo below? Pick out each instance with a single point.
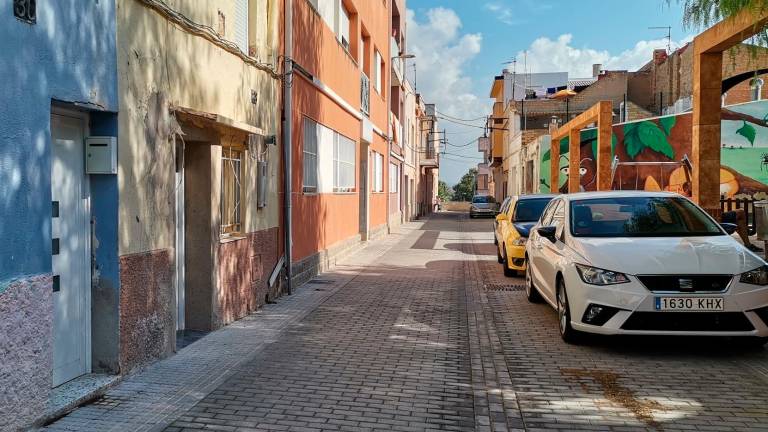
(480, 212)
(516, 257)
(637, 314)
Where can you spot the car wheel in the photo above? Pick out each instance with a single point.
(530, 290)
(567, 332)
(508, 272)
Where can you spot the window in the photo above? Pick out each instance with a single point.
(394, 178)
(378, 174)
(530, 210)
(231, 173)
(344, 27)
(329, 160)
(343, 164)
(377, 61)
(241, 25)
(310, 156)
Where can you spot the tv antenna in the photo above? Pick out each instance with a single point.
(669, 36)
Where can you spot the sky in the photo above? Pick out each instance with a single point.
(460, 45)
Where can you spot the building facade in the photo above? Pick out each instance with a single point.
(199, 168)
(58, 265)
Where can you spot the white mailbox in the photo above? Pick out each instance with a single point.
(101, 155)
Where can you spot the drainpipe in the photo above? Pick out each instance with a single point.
(288, 144)
(389, 109)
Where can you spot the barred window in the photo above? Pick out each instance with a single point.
(309, 181)
(231, 191)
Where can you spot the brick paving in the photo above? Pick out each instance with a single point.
(421, 331)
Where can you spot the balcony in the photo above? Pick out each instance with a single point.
(483, 144)
(430, 157)
(398, 66)
(365, 94)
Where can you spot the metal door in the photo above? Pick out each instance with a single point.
(70, 231)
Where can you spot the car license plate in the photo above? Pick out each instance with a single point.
(689, 303)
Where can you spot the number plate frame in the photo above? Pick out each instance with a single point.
(689, 304)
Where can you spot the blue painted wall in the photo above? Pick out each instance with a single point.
(68, 55)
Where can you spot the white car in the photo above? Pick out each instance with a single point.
(644, 263)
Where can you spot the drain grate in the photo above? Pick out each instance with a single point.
(322, 281)
(504, 287)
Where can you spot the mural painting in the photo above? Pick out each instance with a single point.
(654, 154)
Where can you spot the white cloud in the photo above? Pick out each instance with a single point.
(443, 54)
(501, 11)
(559, 55)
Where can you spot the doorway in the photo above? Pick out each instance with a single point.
(70, 248)
(180, 268)
(363, 190)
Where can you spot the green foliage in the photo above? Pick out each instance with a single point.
(465, 190)
(748, 131)
(647, 134)
(667, 123)
(443, 191)
(699, 14)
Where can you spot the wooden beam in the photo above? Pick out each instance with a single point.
(604, 150)
(554, 166)
(731, 31)
(574, 161)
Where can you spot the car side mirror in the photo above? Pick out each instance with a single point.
(730, 228)
(548, 232)
(501, 217)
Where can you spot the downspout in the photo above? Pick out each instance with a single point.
(288, 145)
(388, 103)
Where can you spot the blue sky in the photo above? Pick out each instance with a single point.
(461, 44)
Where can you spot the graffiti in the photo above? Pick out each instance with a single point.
(650, 154)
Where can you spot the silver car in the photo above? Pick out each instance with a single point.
(483, 205)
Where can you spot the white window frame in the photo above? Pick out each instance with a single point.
(394, 178)
(378, 172)
(377, 60)
(344, 160)
(310, 150)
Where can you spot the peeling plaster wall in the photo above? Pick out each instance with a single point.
(159, 66)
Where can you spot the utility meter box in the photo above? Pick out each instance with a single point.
(101, 155)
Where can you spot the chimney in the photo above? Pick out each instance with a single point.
(596, 69)
(659, 56)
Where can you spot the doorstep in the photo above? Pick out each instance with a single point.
(75, 393)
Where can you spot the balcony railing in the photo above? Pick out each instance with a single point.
(365, 94)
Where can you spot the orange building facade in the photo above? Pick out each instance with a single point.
(342, 52)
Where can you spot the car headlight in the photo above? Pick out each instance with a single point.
(520, 241)
(472, 208)
(596, 276)
(758, 276)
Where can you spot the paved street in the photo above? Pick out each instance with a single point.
(421, 331)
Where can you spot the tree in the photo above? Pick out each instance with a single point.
(443, 191)
(704, 13)
(466, 187)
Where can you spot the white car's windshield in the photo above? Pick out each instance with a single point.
(640, 217)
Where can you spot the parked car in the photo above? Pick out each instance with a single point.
(644, 263)
(483, 205)
(511, 229)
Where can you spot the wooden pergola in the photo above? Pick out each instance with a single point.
(600, 113)
(707, 92)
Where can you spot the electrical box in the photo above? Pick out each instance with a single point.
(262, 180)
(101, 155)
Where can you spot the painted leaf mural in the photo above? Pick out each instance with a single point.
(667, 123)
(748, 131)
(647, 134)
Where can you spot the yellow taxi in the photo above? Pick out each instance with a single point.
(516, 217)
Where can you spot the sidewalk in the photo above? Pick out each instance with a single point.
(151, 399)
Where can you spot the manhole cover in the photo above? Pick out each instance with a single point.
(504, 287)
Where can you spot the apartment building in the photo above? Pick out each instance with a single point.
(343, 170)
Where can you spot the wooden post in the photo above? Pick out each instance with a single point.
(707, 93)
(574, 160)
(604, 138)
(554, 167)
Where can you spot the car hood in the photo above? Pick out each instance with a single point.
(668, 255)
(524, 228)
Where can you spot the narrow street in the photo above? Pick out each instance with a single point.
(421, 331)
